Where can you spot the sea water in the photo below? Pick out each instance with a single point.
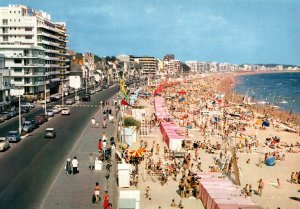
(278, 89)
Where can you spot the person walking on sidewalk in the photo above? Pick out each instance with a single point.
(75, 165)
(91, 162)
(97, 193)
(93, 122)
(106, 200)
(100, 145)
(68, 167)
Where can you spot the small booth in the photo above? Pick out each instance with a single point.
(124, 175)
(129, 199)
(98, 164)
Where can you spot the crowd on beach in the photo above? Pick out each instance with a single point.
(223, 126)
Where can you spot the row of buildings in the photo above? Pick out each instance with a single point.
(35, 58)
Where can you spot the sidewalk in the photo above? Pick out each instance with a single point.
(75, 191)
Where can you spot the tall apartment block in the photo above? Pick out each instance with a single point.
(4, 84)
(35, 50)
(149, 64)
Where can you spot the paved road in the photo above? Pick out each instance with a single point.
(29, 167)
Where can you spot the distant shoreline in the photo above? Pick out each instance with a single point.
(228, 81)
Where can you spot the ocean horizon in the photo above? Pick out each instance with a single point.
(279, 89)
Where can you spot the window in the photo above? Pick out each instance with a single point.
(17, 79)
(5, 21)
(28, 29)
(18, 69)
(5, 38)
(28, 37)
(17, 61)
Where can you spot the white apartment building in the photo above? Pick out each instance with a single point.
(172, 67)
(197, 66)
(35, 48)
(149, 64)
(4, 84)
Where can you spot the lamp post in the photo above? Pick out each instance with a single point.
(62, 88)
(20, 126)
(45, 89)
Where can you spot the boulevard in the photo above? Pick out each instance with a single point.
(29, 167)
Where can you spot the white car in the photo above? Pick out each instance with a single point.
(50, 113)
(65, 111)
(70, 101)
(43, 101)
(4, 143)
(28, 104)
(56, 109)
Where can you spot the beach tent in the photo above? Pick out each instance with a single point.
(259, 122)
(271, 161)
(266, 123)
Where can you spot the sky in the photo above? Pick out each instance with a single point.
(234, 31)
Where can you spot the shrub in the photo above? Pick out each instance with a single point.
(130, 121)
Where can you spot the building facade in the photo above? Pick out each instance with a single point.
(4, 84)
(35, 47)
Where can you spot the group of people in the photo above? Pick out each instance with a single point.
(97, 198)
(71, 167)
(295, 178)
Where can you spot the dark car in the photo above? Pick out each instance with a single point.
(6, 115)
(13, 136)
(25, 109)
(85, 97)
(50, 133)
(40, 119)
(13, 113)
(34, 124)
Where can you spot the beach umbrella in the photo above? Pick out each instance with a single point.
(181, 92)
(142, 150)
(135, 153)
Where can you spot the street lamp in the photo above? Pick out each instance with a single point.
(45, 89)
(20, 126)
(62, 88)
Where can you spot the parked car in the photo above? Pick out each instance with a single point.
(56, 109)
(25, 109)
(13, 113)
(98, 89)
(40, 119)
(70, 101)
(6, 115)
(105, 86)
(27, 126)
(13, 136)
(27, 104)
(43, 100)
(85, 97)
(4, 144)
(50, 113)
(34, 124)
(65, 111)
(1, 118)
(50, 133)
(91, 91)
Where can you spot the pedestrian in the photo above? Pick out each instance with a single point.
(100, 145)
(97, 124)
(136, 180)
(105, 200)
(147, 192)
(260, 187)
(75, 165)
(68, 167)
(97, 192)
(173, 204)
(93, 122)
(110, 206)
(278, 183)
(91, 162)
(157, 149)
(104, 123)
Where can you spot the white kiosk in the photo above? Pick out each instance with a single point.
(98, 165)
(124, 175)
